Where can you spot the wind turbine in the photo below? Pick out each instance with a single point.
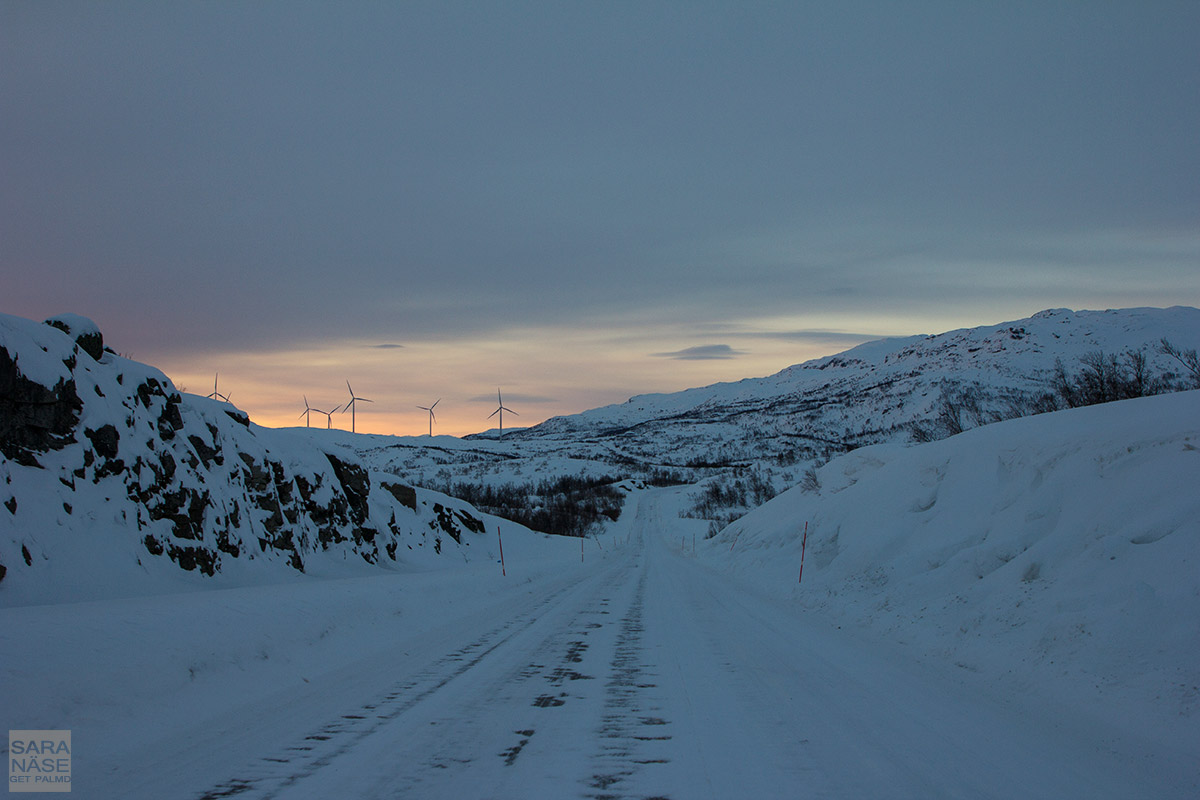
(328, 415)
(307, 410)
(215, 394)
(350, 405)
(431, 416)
(500, 410)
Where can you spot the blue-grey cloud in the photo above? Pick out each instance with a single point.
(388, 172)
(386, 346)
(702, 352)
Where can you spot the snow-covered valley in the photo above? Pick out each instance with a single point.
(1013, 611)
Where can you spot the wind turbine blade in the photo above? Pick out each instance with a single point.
(365, 400)
(435, 402)
(348, 387)
(494, 413)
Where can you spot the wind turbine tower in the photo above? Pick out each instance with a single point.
(307, 410)
(350, 405)
(328, 416)
(500, 410)
(431, 416)
(215, 394)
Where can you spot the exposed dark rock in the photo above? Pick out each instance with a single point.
(114, 466)
(11, 505)
(147, 391)
(405, 495)
(25, 554)
(34, 418)
(283, 484)
(170, 421)
(191, 558)
(355, 484)
(445, 521)
(238, 416)
(226, 546)
(104, 440)
(85, 333)
(187, 524)
(256, 478)
(3, 571)
(153, 545)
(473, 524)
(209, 455)
(166, 471)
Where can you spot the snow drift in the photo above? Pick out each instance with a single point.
(1062, 546)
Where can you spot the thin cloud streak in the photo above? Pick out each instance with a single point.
(703, 352)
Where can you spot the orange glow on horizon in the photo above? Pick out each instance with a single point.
(541, 373)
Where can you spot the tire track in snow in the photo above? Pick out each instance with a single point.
(305, 756)
(632, 729)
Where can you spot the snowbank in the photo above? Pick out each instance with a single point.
(1061, 550)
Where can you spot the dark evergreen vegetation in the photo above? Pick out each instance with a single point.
(570, 505)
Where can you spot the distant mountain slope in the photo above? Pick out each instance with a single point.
(112, 481)
(871, 393)
(1063, 543)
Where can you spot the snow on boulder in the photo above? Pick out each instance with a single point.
(82, 330)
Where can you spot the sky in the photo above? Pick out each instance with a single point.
(577, 202)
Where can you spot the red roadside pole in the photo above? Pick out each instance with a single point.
(803, 544)
(501, 541)
(581, 548)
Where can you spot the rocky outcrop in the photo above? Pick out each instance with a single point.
(190, 481)
(34, 418)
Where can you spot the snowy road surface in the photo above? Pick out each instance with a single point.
(639, 674)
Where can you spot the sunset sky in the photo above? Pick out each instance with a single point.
(577, 202)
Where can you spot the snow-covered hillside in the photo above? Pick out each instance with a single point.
(114, 483)
(1063, 549)
(881, 391)
(883, 386)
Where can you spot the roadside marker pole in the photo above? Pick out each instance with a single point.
(581, 548)
(803, 545)
(503, 571)
(735, 535)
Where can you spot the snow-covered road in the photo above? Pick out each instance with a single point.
(639, 674)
